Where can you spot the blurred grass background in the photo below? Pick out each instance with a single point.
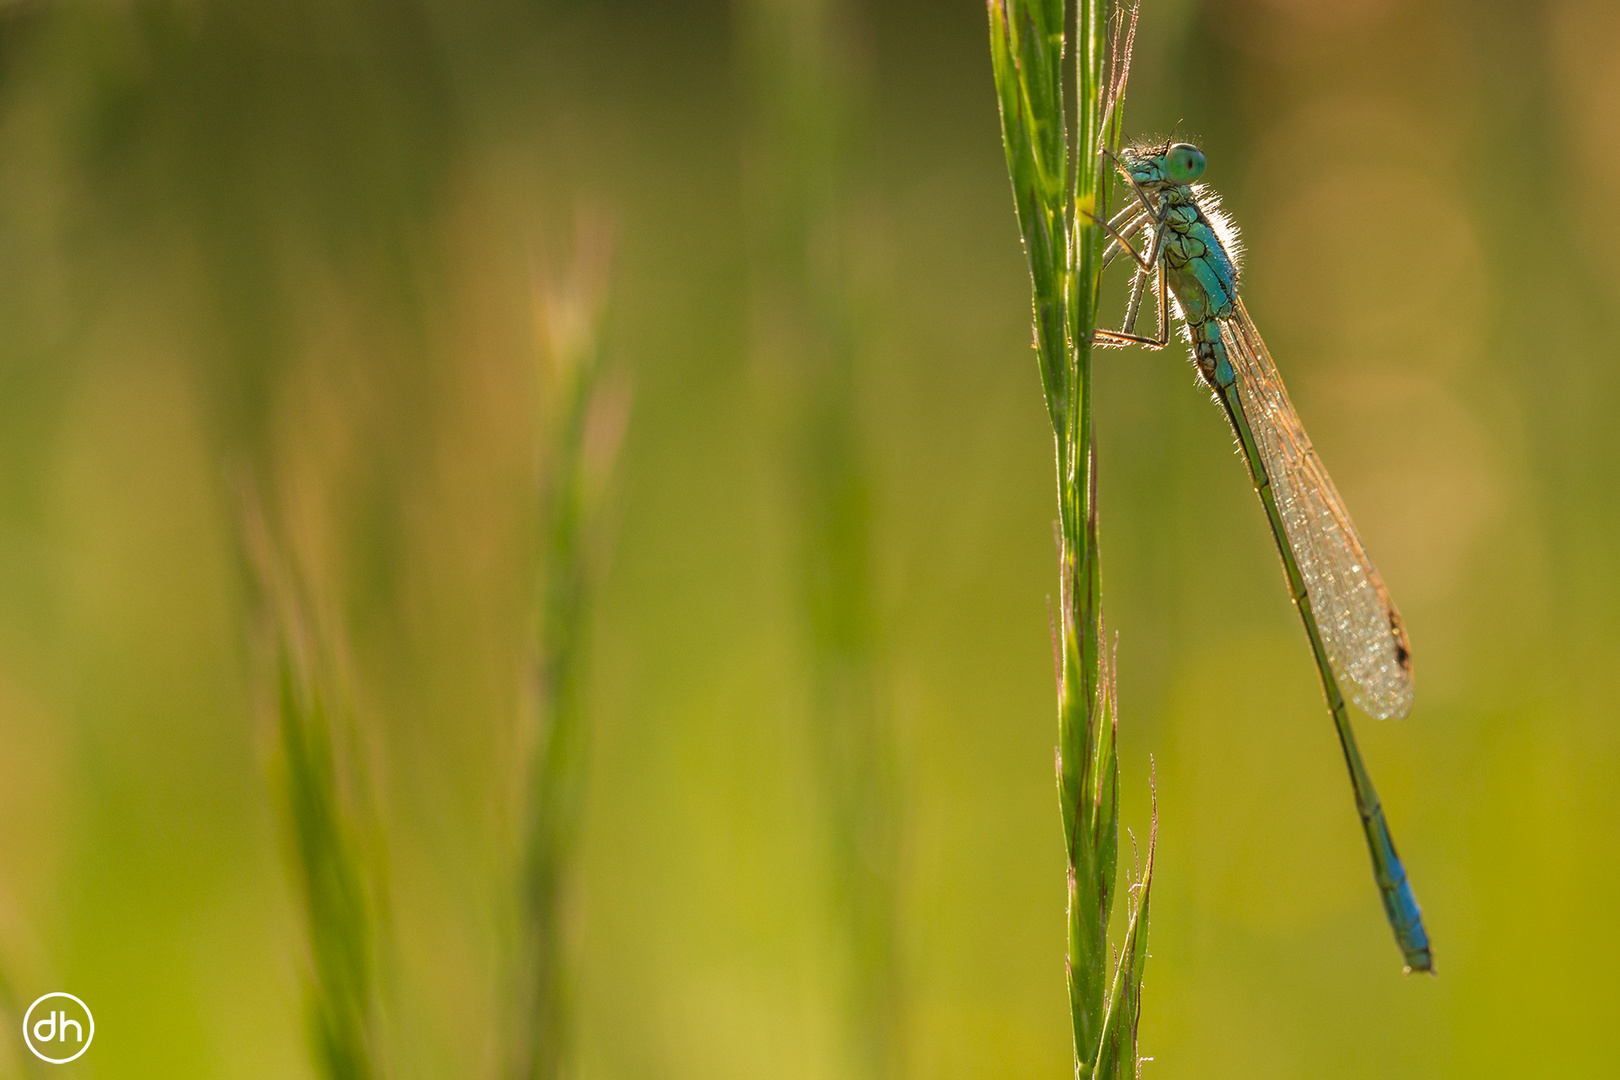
(299, 238)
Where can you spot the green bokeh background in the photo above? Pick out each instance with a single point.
(301, 235)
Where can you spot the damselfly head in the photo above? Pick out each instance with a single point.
(1164, 165)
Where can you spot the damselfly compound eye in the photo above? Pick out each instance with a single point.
(1184, 163)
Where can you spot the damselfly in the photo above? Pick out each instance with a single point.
(1186, 245)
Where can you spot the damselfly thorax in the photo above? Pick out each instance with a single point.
(1193, 248)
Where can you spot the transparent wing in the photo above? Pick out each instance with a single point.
(1360, 627)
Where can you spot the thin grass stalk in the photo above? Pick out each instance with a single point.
(584, 425)
(1059, 184)
(342, 998)
(324, 797)
(807, 99)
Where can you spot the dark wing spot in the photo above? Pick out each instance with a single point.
(1403, 648)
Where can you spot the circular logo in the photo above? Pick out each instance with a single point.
(59, 1029)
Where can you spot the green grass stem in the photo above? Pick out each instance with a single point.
(584, 418)
(808, 102)
(1059, 181)
(324, 795)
